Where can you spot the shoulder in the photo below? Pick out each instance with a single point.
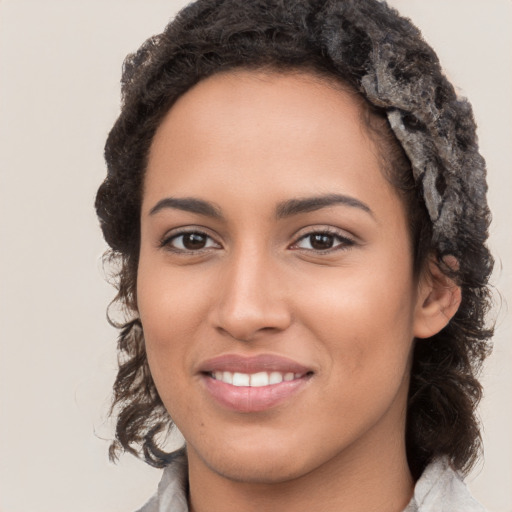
(442, 489)
(172, 489)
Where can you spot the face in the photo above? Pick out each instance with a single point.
(275, 283)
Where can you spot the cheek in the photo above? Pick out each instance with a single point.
(169, 300)
(383, 296)
(365, 329)
(364, 317)
(171, 310)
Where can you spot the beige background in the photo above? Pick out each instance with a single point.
(60, 64)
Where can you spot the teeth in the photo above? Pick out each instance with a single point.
(255, 380)
(275, 378)
(259, 379)
(241, 379)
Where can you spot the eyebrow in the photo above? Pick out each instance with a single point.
(188, 204)
(310, 204)
(283, 210)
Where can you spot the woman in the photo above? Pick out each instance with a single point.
(297, 202)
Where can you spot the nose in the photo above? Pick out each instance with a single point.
(251, 297)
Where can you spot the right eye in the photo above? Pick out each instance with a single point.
(190, 241)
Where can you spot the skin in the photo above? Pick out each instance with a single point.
(246, 142)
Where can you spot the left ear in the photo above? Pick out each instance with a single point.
(438, 299)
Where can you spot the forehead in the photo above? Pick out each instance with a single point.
(264, 135)
(295, 93)
(243, 111)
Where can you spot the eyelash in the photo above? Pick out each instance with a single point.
(344, 242)
(167, 241)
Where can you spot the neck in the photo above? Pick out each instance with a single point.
(380, 481)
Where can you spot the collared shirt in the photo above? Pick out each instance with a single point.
(440, 489)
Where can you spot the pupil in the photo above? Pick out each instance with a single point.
(194, 241)
(321, 241)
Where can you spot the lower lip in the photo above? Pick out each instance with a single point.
(253, 399)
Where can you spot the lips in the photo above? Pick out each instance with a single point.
(253, 384)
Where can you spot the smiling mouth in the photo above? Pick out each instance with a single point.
(252, 384)
(256, 380)
(253, 392)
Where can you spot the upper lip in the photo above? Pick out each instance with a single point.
(252, 364)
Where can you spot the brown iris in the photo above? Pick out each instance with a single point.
(321, 241)
(194, 241)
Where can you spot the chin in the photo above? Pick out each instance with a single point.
(258, 462)
(261, 469)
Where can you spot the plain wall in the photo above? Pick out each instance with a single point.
(60, 64)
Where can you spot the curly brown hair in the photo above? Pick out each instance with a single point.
(428, 146)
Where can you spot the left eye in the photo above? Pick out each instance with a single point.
(323, 241)
(193, 241)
